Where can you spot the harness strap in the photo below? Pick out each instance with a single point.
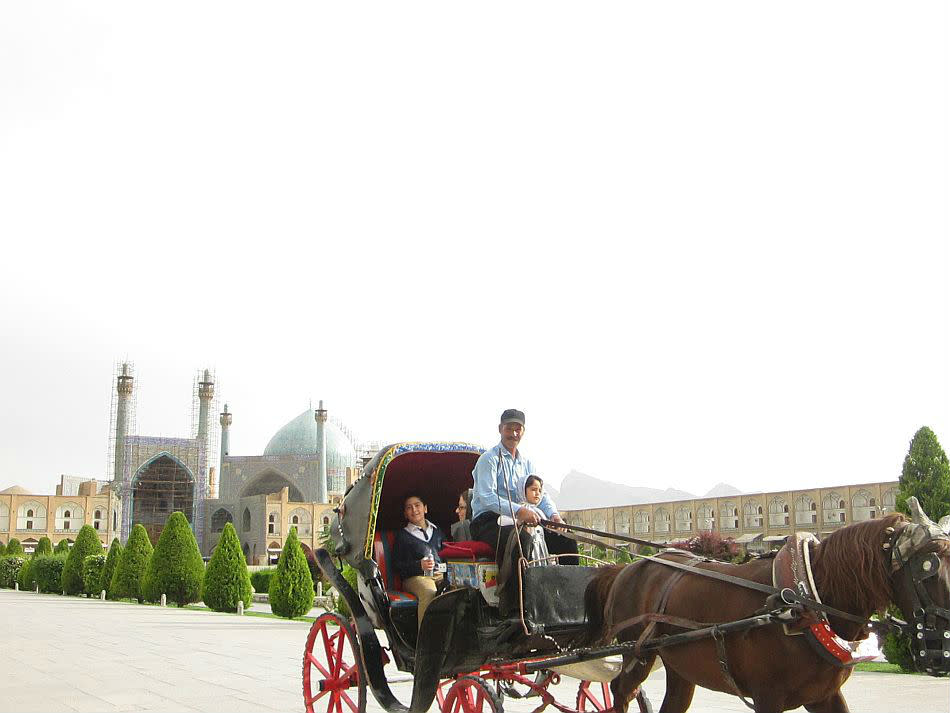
(787, 595)
(720, 640)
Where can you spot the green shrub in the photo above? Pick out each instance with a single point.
(340, 605)
(260, 579)
(176, 567)
(3, 549)
(24, 578)
(127, 580)
(87, 543)
(92, 568)
(43, 547)
(48, 572)
(10, 566)
(291, 587)
(105, 579)
(226, 580)
(14, 547)
(62, 548)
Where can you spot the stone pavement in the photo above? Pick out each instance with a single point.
(72, 654)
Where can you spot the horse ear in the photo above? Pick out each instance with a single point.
(917, 514)
(945, 524)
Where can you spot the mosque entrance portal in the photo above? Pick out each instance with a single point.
(162, 487)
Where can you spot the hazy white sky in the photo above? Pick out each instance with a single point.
(695, 242)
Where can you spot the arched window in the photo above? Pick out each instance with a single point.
(641, 521)
(115, 520)
(622, 522)
(4, 517)
(272, 527)
(684, 519)
(805, 510)
(97, 519)
(752, 514)
(707, 517)
(220, 518)
(301, 519)
(661, 518)
(832, 509)
(862, 506)
(31, 516)
(246, 521)
(68, 517)
(888, 501)
(728, 516)
(778, 512)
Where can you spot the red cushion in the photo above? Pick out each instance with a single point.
(469, 550)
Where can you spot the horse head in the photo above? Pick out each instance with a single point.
(920, 562)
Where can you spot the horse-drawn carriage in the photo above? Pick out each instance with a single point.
(758, 630)
(466, 654)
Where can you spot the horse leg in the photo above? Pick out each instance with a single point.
(679, 693)
(834, 703)
(625, 685)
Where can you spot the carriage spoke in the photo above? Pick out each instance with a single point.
(349, 702)
(313, 659)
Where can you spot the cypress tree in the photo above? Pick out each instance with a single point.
(62, 548)
(291, 587)
(91, 569)
(43, 547)
(87, 543)
(14, 547)
(176, 567)
(3, 549)
(127, 580)
(48, 572)
(925, 475)
(226, 580)
(112, 560)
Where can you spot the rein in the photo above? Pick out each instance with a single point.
(787, 596)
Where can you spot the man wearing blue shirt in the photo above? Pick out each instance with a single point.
(500, 476)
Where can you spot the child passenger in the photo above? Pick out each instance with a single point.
(533, 491)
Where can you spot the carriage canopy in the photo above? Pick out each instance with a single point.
(437, 472)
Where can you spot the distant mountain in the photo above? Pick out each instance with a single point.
(722, 490)
(579, 491)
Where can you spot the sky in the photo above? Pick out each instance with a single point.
(694, 242)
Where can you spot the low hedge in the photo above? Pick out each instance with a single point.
(260, 579)
(10, 566)
(48, 571)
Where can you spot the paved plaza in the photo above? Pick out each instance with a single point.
(72, 654)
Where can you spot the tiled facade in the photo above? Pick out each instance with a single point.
(759, 521)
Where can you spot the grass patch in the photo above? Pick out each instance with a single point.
(881, 667)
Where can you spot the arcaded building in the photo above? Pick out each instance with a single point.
(758, 521)
(29, 517)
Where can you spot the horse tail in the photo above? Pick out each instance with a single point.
(595, 602)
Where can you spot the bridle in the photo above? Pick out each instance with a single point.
(910, 556)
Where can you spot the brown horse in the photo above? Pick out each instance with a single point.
(857, 569)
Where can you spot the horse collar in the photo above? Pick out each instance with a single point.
(791, 569)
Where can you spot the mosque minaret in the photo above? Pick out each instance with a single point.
(123, 407)
(320, 414)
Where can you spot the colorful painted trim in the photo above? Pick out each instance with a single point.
(380, 473)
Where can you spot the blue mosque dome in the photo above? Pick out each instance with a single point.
(299, 438)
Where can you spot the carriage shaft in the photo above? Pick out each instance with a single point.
(652, 644)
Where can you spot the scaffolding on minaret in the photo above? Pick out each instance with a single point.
(126, 369)
(207, 379)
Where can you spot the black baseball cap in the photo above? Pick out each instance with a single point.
(512, 415)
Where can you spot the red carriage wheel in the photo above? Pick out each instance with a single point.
(471, 694)
(596, 696)
(332, 680)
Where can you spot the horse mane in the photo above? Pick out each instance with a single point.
(852, 568)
